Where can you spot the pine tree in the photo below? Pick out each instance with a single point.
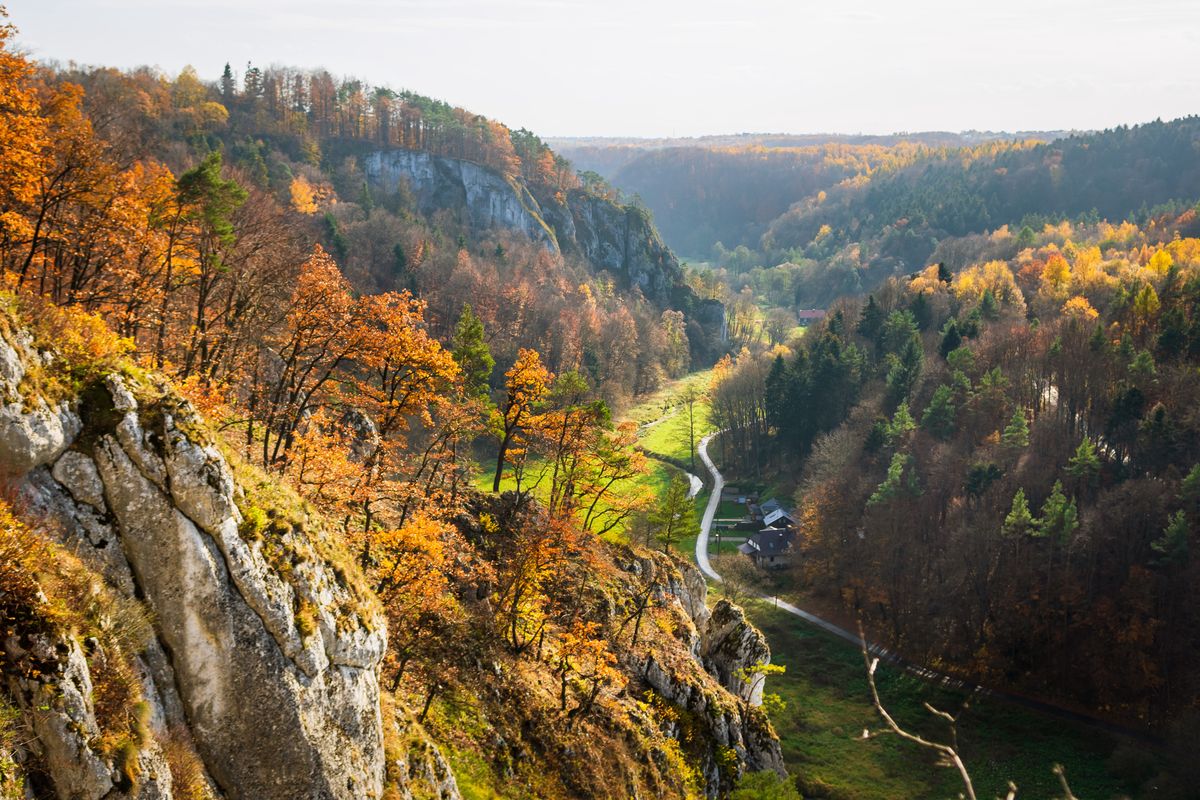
(1189, 489)
(938, 418)
(471, 351)
(1016, 435)
(228, 85)
(988, 307)
(1060, 516)
(896, 481)
(871, 321)
(1172, 546)
(1019, 521)
(951, 339)
(1085, 464)
(902, 422)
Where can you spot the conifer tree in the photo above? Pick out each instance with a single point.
(938, 418)
(228, 85)
(1172, 546)
(988, 307)
(1016, 434)
(1085, 464)
(471, 351)
(1189, 489)
(1060, 516)
(1019, 521)
(951, 339)
(871, 321)
(902, 422)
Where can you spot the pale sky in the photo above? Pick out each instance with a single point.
(684, 67)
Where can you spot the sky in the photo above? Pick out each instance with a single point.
(683, 67)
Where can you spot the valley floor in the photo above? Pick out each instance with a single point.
(828, 708)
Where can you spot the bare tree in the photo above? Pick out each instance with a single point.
(947, 751)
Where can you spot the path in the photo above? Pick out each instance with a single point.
(710, 513)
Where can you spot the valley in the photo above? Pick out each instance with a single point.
(357, 445)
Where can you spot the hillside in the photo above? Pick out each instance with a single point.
(894, 221)
(408, 194)
(728, 189)
(242, 554)
(997, 468)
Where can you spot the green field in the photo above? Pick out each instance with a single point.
(537, 481)
(665, 419)
(828, 707)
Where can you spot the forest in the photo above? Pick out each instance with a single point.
(448, 461)
(851, 212)
(997, 466)
(205, 265)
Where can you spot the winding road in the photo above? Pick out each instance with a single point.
(710, 513)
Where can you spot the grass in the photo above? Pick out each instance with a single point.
(537, 481)
(828, 707)
(670, 437)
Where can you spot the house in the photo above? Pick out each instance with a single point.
(807, 316)
(770, 548)
(772, 514)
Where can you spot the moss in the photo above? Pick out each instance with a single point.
(12, 779)
(306, 619)
(125, 759)
(254, 520)
(98, 414)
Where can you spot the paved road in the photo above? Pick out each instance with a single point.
(710, 513)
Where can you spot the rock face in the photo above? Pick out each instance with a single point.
(261, 651)
(723, 642)
(620, 240)
(729, 644)
(623, 241)
(487, 199)
(58, 697)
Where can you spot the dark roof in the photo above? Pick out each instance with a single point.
(771, 505)
(778, 519)
(770, 541)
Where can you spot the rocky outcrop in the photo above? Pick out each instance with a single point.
(486, 199)
(52, 682)
(32, 431)
(731, 647)
(611, 237)
(722, 643)
(262, 651)
(622, 240)
(416, 764)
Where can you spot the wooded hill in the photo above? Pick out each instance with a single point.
(1000, 466)
(289, 145)
(242, 398)
(894, 221)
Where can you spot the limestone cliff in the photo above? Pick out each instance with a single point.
(486, 198)
(618, 239)
(201, 635)
(263, 652)
(723, 643)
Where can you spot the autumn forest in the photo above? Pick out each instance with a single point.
(345, 412)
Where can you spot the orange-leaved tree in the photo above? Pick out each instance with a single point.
(524, 386)
(323, 329)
